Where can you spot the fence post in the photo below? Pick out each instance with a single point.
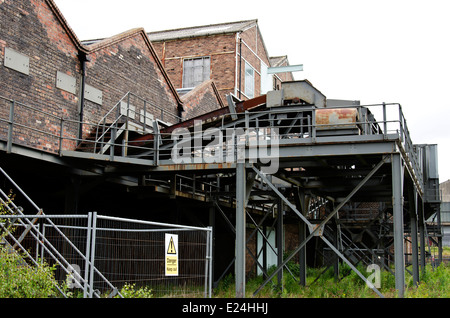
(93, 237)
(211, 238)
(88, 251)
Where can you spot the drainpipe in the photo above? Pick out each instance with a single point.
(83, 59)
(240, 66)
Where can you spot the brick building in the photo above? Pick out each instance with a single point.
(233, 55)
(50, 75)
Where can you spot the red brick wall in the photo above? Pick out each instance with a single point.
(224, 60)
(124, 64)
(220, 48)
(30, 28)
(253, 52)
(201, 100)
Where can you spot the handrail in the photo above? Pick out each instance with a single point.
(40, 238)
(391, 120)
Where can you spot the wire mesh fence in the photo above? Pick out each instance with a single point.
(98, 255)
(138, 252)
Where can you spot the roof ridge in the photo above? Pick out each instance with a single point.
(203, 26)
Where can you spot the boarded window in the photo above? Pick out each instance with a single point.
(195, 71)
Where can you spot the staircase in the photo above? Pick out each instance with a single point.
(102, 138)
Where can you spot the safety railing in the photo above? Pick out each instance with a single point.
(283, 126)
(98, 254)
(36, 244)
(118, 133)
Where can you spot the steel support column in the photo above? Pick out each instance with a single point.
(423, 257)
(279, 240)
(302, 203)
(240, 230)
(315, 231)
(414, 240)
(397, 203)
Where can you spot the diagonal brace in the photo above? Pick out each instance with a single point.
(313, 233)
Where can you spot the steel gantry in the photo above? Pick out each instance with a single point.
(288, 156)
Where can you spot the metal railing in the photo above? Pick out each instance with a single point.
(27, 223)
(294, 125)
(99, 254)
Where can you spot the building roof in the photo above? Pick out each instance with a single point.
(204, 30)
(278, 60)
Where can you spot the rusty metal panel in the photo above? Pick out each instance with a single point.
(305, 91)
(337, 118)
(274, 98)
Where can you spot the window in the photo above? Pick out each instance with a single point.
(266, 79)
(195, 71)
(249, 81)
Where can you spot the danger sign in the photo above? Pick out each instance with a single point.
(171, 254)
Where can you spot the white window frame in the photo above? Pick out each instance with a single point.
(249, 89)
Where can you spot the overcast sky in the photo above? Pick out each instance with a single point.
(393, 51)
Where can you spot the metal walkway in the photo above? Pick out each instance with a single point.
(282, 151)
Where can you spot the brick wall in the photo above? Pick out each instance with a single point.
(36, 30)
(31, 29)
(254, 53)
(125, 63)
(203, 99)
(220, 48)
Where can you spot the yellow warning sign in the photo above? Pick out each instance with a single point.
(171, 249)
(171, 254)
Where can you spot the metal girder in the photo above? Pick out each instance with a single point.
(397, 203)
(240, 230)
(315, 229)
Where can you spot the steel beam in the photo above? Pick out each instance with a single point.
(414, 230)
(317, 228)
(302, 202)
(240, 229)
(279, 240)
(397, 203)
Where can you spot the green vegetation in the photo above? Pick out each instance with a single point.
(434, 283)
(19, 280)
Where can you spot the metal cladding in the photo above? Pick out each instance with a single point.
(296, 92)
(337, 118)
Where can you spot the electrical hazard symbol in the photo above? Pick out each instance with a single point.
(171, 254)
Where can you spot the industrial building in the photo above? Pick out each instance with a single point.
(100, 126)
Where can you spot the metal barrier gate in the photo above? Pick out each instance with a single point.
(98, 255)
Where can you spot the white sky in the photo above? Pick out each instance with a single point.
(393, 51)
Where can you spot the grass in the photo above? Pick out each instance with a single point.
(434, 283)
